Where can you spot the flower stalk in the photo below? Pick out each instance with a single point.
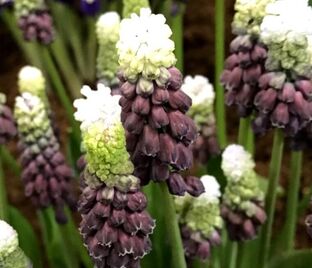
(219, 59)
(173, 228)
(292, 199)
(274, 175)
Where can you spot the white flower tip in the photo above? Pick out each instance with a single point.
(212, 188)
(8, 238)
(29, 73)
(199, 89)
(108, 20)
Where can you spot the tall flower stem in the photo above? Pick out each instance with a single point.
(173, 229)
(274, 174)
(244, 131)
(219, 59)
(60, 89)
(91, 49)
(232, 254)
(292, 199)
(177, 27)
(3, 195)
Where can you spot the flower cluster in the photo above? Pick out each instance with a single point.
(34, 21)
(242, 206)
(153, 106)
(115, 226)
(107, 31)
(145, 49)
(133, 6)
(200, 220)
(202, 112)
(11, 256)
(45, 173)
(286, 32)
(248, 17)
(7, 124)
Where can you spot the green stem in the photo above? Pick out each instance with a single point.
(60, 90)
(232, 255)
(3, 194)
(62, 58)
(292, 199)
(219, 60)
(177, 28)
(197, 264)
(10, 161)
(243, 132)
(274, 174)
(91, 50)
(173, 228)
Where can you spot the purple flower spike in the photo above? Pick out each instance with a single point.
(90, 7)
(7, 124)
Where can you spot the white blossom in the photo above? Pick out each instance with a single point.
(199, 90)
(31, 79)
(98, 107)
(236, 161)
(107, 23)
(145, 45)
(8, 239)
(212, 189)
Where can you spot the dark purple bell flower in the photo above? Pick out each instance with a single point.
(90, 7)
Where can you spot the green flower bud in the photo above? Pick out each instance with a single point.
(133, 6)
(24, 7)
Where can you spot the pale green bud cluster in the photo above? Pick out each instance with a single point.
(106, 154)
(133, 6)
(33, 122)
(24, 7)
(291, 53)
(249, 15)
(241, 194)
(11, 256)
(107, 31)
(2, 98)
(31, 79)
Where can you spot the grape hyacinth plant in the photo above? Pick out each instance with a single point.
(200, 220)
(115, 226)
(158, 132)
(46, 175)
(7, 123)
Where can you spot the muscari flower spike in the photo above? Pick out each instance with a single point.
(243, 201)
(202, 112)
(115, 226)
(133, 6)
(11, 255)
(284, 99)
(46, 175)
(247, 57)
(107, 31)
(7, 123)
(200, 220)
(158, 132)
(34, 20)
(90, 7)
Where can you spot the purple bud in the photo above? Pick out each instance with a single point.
(117, 217)
(258, 53)
(107, 235)
(241, 43)
(203, 250)
(305, 86)
(260, 216)
(136, 201)
(102, 210)
(141, 105)
(158, 117)
(90, 8)
(280, 115)
(160, 96)
(245, 95)
(40, 184)
(149, 144)
(244, 59)
(147, 224)
(119, 200)
(81, 163)
(249, 229)
(251, 75)
(194, 186)
(300, 106)
(176, 78)
(176, 184)
(287, 93)
(134, 123)
(265, 100)
(97, 250)
(128, 90)
(179, 100)
(231, 62)
(168, 152)
(117, 259)
(159, 171)
(215, 238)
(131, 141)
(125, 104)
(264, 80)
(224, 78)
(185, 157)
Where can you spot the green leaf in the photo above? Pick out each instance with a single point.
(214, 169)
(27, 238)
(295, 259)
